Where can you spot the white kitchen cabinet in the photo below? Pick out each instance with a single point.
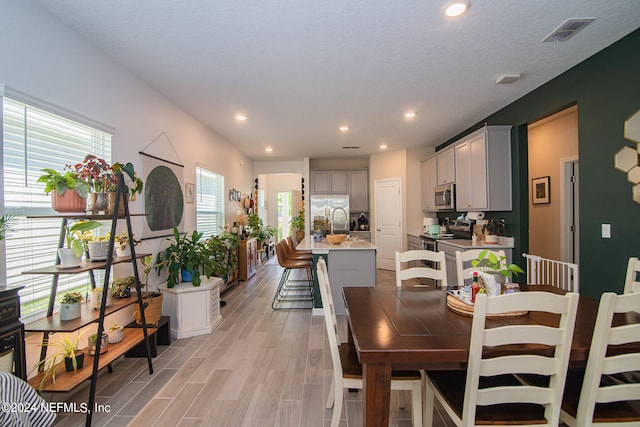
(483, 170)
(446, 166)
(428, 180)
(358, 191)
(329, 182)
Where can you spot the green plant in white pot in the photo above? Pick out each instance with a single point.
(490, 263)
(71, 254)
(70, 305)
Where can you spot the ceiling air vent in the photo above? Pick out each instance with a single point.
(568, 29)
(350, 147)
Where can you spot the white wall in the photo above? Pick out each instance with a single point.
(47, 61)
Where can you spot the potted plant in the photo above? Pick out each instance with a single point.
(115, 333)
(102, 181)
(123, 247)
(121, 288)
(5, 224)
(152, 301)
(297, 223)
(186, 255)
(57, 184)
(490, 263)
(96, 298)
(134, 184)
(258, 230)
(71, 254)
(104, 343)
(66, 346)
(70, 305)
(97, 246)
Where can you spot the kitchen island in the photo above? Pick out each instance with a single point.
(351, 263)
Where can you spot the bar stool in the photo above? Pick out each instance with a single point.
(289, 291)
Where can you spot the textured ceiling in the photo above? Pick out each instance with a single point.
(301, 68)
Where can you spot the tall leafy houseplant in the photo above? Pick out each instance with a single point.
(54, 180)
(257, 228)
(490, 263)
(186, 253)
(224, 254)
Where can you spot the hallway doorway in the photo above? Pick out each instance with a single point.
(553, 153)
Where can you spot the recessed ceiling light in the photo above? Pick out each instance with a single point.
(410, 115)
(383, 146)
(344, 128)
(456, 8)
(268, 149)
(241, 117)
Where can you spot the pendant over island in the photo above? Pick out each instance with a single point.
(350, 263)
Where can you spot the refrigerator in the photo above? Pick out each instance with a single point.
(329, 213)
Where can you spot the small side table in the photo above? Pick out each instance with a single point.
(162, 337)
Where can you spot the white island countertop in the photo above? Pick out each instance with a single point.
(308, 244)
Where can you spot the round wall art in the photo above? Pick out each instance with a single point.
(163, 199)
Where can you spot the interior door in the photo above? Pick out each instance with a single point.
(388, 221)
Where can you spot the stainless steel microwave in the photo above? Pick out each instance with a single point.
(445, 196)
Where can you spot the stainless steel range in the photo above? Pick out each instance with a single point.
(458, 229)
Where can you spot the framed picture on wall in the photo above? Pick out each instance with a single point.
(540, 190)
(189, 192)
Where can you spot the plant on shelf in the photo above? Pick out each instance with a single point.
(74, 234)
(97, 172)
(134, 184)
(186, 255)
(490, 263)
(66, 347)
(258, 230)
(121, 288)
(297, 223)
(147, 263)
(96, 246)
(122, 243)
(5, 224)
(70, 306)
(57, 184)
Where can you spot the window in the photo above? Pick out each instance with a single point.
(32, 140)
(209, 202)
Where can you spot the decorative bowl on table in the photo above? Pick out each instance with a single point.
(335, 239)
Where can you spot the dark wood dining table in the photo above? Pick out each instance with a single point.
(412, 328)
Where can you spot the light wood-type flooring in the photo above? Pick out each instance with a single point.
(260, 368)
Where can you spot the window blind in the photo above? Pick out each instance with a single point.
(209, 202)
(34, 139)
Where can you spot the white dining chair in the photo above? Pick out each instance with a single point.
(489, 392)
(464, 268)
(431, 266)
(605, 398)
(631, 283)
(347, 370)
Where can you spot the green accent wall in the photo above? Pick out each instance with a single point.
(606, 89)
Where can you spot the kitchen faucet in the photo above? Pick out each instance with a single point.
(333, 214)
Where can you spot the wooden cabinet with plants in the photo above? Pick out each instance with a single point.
(52, 376)
(248, 258)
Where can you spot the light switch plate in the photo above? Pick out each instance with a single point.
(606, 231)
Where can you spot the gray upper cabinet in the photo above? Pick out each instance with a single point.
(483, 170)
(358, 191)
(355, 183)
(446, 166)
(329, 182)
(428, 181)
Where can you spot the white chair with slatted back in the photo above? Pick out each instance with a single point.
(489, 392)
(631, 283)
(437, 272)
(603, 399)
(347, 370)
(463, 263)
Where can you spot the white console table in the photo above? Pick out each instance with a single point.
(194, 310)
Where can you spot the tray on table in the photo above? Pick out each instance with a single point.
(460, 305)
